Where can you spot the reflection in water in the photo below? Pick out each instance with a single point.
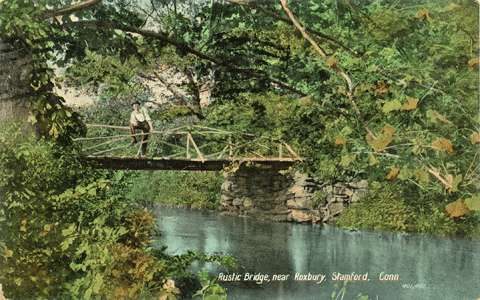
(427, 267)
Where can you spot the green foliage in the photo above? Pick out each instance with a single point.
(280, 51)
(473, 203)
(23, 23)
(67, 234)
(175, 266)
(399, 207)
(414, 66)
(64, 235)
(211, 289)
(318, 198)
(172, 113)
(429, 44)
(116, 75)
(93, 56)
(342, 290)
(424, 112)
(383, 208)
(109, 111)
(191, 189)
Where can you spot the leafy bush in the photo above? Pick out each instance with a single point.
(383, 208)
(109, 111)
(431, 218)
(66, 234)
(172, 113)
(399, 207)
(318, 198)
(63, 236)
(211, 289)
(191, 189)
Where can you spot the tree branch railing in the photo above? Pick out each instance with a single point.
(196, 143)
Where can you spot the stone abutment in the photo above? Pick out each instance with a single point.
(289, 197)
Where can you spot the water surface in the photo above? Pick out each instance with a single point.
(417, 267)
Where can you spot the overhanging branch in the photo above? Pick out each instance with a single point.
(70, 9)
(145, 33)
(186, 48)
(351, 87)
(285, 20)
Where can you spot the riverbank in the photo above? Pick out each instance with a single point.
(298, 198)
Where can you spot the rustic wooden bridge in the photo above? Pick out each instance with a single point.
(185, 148)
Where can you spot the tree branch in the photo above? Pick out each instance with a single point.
(384, 73)
(186, 48)
(408, 145)
(280, 18)
(194, 108)
(194, 89)
(435, 173)
(169, 88)
(70, 9)
(145, 33)
(321, 35)
(351, 87)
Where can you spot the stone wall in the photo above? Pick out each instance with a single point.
(291, 197)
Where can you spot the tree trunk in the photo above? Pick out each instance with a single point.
(14, 89)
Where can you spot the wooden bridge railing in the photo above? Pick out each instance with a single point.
(206, 139)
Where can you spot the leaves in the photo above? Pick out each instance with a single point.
(412, 104)
(421, 176)
(473, 63)
(434, 115)
(429, 55)
(474, 138)
(457, 209)
(340, 140)
(454, 182)
(211, 289)
(443, 145)
(393, 173)
(346, 160)
(372, 160)
(382, 87)
(380, 143)
(69, 230)
(331, 61)
(405, 173)
(65, 244)
(24, 225)
(392, 106)
(473, 203)
(46, 230)
(424, 13)
(387, 130)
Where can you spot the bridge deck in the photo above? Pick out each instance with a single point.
(195, 165)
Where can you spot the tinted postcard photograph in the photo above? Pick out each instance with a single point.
(239, 149)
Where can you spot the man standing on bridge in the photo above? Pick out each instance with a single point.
(139, 119)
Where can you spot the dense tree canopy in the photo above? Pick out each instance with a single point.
(378, 86)
(385, 90)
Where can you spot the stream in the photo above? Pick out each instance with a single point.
(297, 261)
